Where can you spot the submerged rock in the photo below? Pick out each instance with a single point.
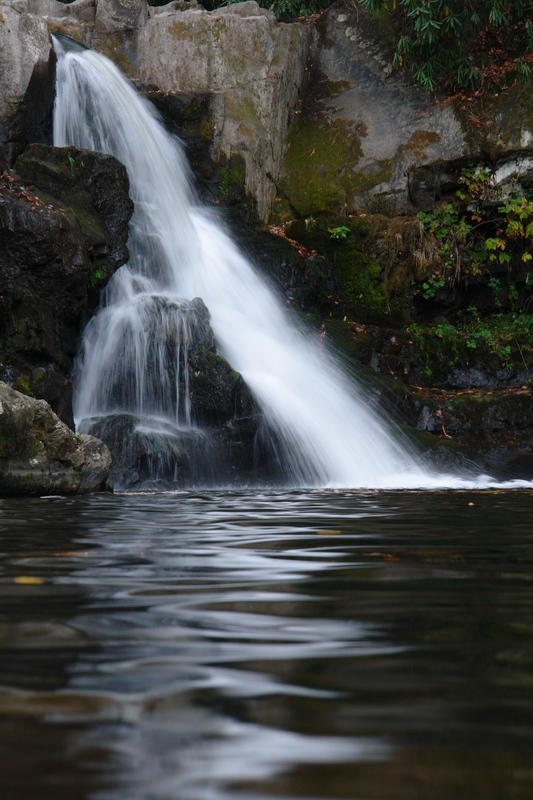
(39, 454)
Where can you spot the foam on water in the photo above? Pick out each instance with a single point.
(329, 436)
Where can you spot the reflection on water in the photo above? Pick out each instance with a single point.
(298, 645)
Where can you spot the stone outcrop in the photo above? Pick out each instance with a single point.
(40, 455)
(64, 217)
(255, 63)
(369, 139)
(27, 75)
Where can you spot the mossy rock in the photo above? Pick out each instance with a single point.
(218, 392)
(362, 282)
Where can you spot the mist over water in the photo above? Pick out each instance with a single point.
(328, 435)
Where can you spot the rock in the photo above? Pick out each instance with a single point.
(39, 454)
(369, 139)
(249, 63)
(206, 430)
(27, 76)
(120, 15)
(63, 229)
(94, 186)
(191, 116)
(254, 62)
(218, 393)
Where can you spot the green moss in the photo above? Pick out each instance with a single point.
(319, 159)
(335, 88)
(24, 385)
(206, 130)
(320, 170)
(231, 181)
(418, 142)
(114, 46)
(241, 109)
(98, 277)
(371, 290)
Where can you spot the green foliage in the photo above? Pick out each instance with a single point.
(360, 288)
(456, 40)
(466, 240)
(231, 180)
(340, 232)
(286, 10)
(500, 341)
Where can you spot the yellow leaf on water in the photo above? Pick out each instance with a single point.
(328, 533)
(28, 580)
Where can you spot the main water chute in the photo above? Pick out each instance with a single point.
(134, 353)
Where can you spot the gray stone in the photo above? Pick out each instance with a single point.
(39, 454)
(241, 55)
(26, 81)
(253, 62)
(398, 148)
(120, 15)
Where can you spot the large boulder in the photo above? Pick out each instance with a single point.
(255, 63)
(27, 75)
(64, 217)
(39, 454)
(199, 424)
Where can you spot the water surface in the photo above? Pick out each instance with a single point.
(246, 646)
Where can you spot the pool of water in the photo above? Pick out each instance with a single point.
(247, 646)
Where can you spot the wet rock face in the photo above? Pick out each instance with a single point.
(39, 454)
(27, 77)
(63, 229)
(211, 434)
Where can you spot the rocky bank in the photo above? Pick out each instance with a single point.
(40, 455)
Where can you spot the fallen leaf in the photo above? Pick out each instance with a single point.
(28, 580)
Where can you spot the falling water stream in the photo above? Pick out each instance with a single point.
(327, 434)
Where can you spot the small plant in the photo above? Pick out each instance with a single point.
(432, 285)
(71, 162)
(341, 232)
(310, 224)
(496, 285)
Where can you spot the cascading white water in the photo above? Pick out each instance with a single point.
(327, 434)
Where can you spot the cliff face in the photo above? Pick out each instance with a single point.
(329, 140)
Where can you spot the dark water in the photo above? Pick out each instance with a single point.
(246, 646)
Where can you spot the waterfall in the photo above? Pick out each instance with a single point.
(325, 433)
